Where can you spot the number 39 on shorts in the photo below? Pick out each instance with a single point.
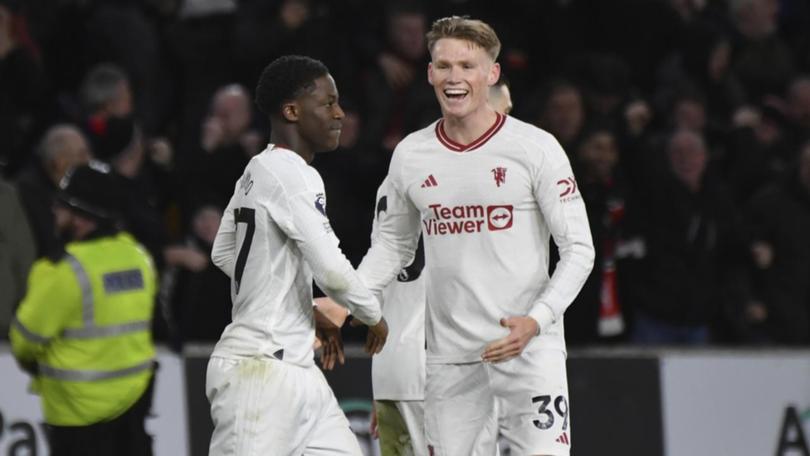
(547, 416)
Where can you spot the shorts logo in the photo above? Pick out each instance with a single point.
(499, 217)
(447, 220)
(320, 203)
(431, 451)
(563, 438)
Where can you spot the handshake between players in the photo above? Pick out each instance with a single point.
(329, 318)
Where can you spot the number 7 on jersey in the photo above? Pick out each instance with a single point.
(247, 216)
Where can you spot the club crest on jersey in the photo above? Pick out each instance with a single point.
(499, 174)
(320, 203)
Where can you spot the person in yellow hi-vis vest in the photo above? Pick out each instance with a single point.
(83, 330)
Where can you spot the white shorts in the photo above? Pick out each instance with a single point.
(525, 400)
(262, 407)
(401, 425)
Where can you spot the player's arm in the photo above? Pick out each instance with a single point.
(296, 202)
(395, 236)
(223, 251)
(563, 209)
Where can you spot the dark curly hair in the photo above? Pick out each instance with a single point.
(284, 79)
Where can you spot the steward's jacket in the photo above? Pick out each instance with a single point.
(84, 329)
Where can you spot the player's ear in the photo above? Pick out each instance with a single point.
(290, 112)
(494, 73)
(430, 73)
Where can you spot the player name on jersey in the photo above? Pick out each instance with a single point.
(449, 220)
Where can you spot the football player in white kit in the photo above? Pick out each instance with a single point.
(486, 191)
(266, 394)
(398, 372)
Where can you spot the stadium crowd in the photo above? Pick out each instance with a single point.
(687, 123)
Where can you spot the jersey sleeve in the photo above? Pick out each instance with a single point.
(394, 237)
(224, 248)
(300, 211)
(53, 295)
(561, 204)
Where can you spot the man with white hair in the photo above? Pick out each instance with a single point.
(61, 148)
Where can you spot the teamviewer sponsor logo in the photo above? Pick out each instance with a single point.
(450, 220)
(499, 217)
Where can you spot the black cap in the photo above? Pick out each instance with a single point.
(92, 190)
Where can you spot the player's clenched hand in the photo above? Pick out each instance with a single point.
(521, 331)
(377, 335)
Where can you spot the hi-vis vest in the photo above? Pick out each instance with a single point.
(85, 322)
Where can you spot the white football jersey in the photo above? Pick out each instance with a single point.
(486, 211)
(398, 371)
(274, 237)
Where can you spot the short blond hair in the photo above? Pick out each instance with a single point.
(464, 28)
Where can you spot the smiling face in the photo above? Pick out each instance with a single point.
(320, 117)
(461, 73)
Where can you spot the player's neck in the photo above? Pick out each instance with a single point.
(288, 138)
(467, 129)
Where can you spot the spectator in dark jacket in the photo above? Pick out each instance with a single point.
(780, 219)
(691, 233)
(60, 149)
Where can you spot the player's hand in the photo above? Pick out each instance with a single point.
(521, 331)
(376, 338)
(331, 344)
(373, 430)
(329, 317)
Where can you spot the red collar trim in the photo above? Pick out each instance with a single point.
(456, 147)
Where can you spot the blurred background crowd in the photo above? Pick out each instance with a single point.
(687, 123)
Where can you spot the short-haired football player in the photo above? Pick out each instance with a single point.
(266, 394)
(486, 192)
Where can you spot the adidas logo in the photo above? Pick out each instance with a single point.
(430, 182)
(563, 438)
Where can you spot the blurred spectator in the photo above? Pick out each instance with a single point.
(702, 66)
(226, 145)
(106, 95)
(23, 90)
(604, 81)
(758, 153)
(397, 99)
(105, 92)
(562, 113)
(198, 302)
(597, 314)
(798, 110)
(201, 50)
(17, 250)
(690, 241)
(61, 148)
(265, 30)
(761, 60)
(119, 143)
(780, 220)
(122, 32)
